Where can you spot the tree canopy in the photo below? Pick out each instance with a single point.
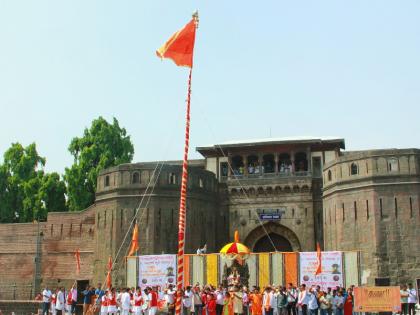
(26, 192)
(102, 145)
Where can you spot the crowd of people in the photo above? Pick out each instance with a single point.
(209, 300)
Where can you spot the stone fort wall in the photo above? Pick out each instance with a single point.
(371, 203)
(100, 230)
(58, 239)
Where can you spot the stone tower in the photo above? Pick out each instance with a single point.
(149, 193)
(371, 203)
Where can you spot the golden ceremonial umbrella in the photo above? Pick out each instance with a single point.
(235, 250)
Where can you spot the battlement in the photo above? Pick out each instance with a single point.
(132, 178)
(383, 165)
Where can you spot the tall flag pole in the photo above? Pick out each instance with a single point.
(180, 48)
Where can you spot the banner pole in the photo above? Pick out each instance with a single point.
(182, 204)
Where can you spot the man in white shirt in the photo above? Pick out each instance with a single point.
(312, 302)
(220, 295)
(269, 301)
(412, 299)
(187, 300)
(338, 303)
(292, 295)
(59, 303)
(170, 299)
(125, 302)
(46, 300)
(302, 303)
(146, 301)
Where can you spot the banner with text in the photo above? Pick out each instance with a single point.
(332, 271)
(157, 270)
(377, 299)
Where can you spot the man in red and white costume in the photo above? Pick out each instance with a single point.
(53, 302)
(153, 298)
(138, 302)
(104, 303)
(112, 302)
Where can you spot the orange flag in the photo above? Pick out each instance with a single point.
(109, 265)
(318, 270)
(180, 46)
(108, 280)
(134, 241)
(77, 257)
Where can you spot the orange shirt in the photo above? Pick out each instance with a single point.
(256, 303)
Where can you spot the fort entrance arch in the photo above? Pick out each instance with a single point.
(262, 239)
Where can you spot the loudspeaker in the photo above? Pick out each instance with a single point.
(382, 282)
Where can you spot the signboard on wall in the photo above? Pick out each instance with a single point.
(377, 299)
(332, 271)
(271, 214)
(157, 270)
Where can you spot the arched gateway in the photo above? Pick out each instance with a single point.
(262, 239)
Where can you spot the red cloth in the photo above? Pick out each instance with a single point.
(211, 307)
(104, 301)
(138, 301)
(348, 305)
(112, 301)
(154, 299)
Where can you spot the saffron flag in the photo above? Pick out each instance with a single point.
(77, 257)
(109, 265)
(108, 280)
(180, 46)
(108, 275)
(318, 270)
(134, 241)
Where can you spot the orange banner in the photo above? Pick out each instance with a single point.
(291, 268)
(186, 270)
(377, 299)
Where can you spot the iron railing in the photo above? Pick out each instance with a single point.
(267, 175)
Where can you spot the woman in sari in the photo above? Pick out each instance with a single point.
(348, 304)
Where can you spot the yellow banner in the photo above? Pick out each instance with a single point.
(212, 269)
(264, 269)
(377, 299)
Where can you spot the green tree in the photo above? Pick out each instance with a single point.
(53, 192)
(102, 145)
(26, 192)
